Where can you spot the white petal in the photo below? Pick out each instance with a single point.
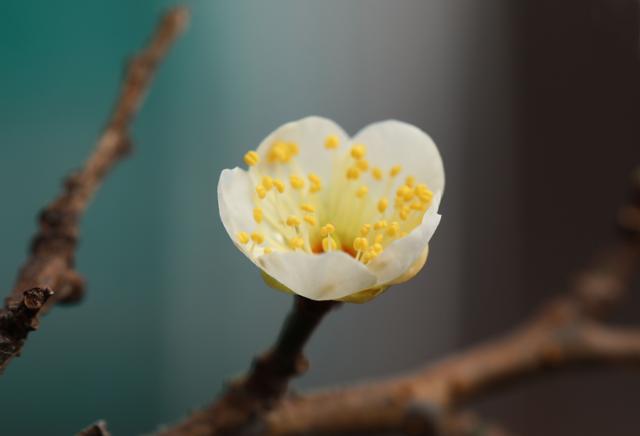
(396, 143)
(399, 256)
(327, 276)
(235, 192)
(310, 134)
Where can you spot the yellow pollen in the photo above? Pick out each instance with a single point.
(331, 142)
(279, 184)
(261, 191)
(417, 205)
(251, 158)
(243, 237)
(393, 229)
(292, 149)
(328, 244)
(257, 237)
(296, 242)
(268, 250)
(395, 170)
(379, 238)
(362, 165)
(314, 178)
(377, 173)
(404, 212)
(278, 153)
(353, 173)
(364, 231)
(310, 219)
(358, 151)
(403, 191)
(360, 244)
(382, 205)
(257, 215)
(307, 207)
(267, 182)
(377, 248)
(296, 182)
(362, 191)
(380, 225)
(327, 229)
(367, 256)
(293, 221)
(315, 187)
(410, 181)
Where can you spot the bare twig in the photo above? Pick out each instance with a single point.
(51, 261)
(97, 429)
(267, 380)
(564, 333)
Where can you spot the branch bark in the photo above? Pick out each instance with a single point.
(50, 266)
(564, 333)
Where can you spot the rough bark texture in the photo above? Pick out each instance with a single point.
(50, 266)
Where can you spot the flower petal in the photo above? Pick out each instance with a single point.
(393, 142)
(309, 134)
(235, 192)
(328, 276)
(401, 255)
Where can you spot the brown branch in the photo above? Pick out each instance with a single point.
(51, 261)
(97, 429)
(565, 333)
(268, 378)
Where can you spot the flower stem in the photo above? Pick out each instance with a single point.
(272, 371)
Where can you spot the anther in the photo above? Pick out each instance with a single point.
(257, 215)
(328, 244)
(279, 184)
(257, 237)
(307, 207)
(382, 205)
(310, 219)
(243, 237)
(362, 191)
(331, 142)
(395, 170)
(293, 221)
(327, 229)
(377, 173)
(251, 158)
(353, 173)
(267, 182)
(296, 182)
(261, 191)
(358, 151)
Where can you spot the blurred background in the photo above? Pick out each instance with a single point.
(534, 105)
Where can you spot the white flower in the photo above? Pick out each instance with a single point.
(334, 218)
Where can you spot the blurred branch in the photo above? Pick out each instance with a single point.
(566, 332)
(97, 429)
(49, 267)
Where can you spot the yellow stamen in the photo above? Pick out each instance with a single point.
(243, 237)
(257, 237)
(327, 229)
(296, 242)
(364, 230)
(257, 215)
(293, 221)
(377, 249)
(314, 178)
(251, 158)
(268, 250)
(393, 229)
(362, 165)
(377, 173)
(410, 181)
(382, 205)
(279, 184)
(261, 191)
(310, 219)
(267, 182)
(331, 142)
(297, 182)
(307, 207)
(379, 238)
(404, 212)
(292, 149)
(328, 244)
(362, 191)
(380, 225)
(353, 173)
(360, 244)
(358, 151)
(395, 170)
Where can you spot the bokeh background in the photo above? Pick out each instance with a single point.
(534, 105)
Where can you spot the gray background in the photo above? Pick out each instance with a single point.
(533, 104)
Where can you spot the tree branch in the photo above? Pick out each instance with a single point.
(51, 261)
(565, 333)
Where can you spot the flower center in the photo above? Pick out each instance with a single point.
(355, 211)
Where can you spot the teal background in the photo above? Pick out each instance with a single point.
(174, 310)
